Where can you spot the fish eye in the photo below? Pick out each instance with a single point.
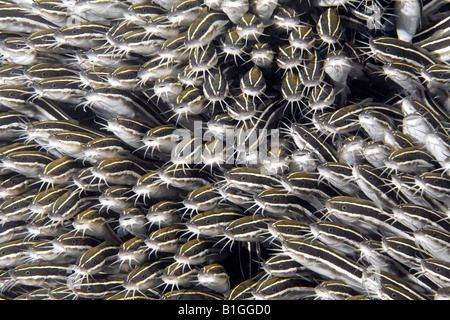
(330, 229)
(438, 269)
(344, 207)
(388, 49)
(399, 248)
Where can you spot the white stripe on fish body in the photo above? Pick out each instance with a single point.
(340, 176)
(16, 208)
(167, 89)
(397, 140)
(128, 130)
(15, 50)
(366, 213)
(60, 171)
(437, 75)
(324, 261)
(437, 271)
(374, 279)
(60, 88)
(334, 290)
(164, 239)
(416, 216)
(104, 147)
(132, 253)
(274, 288)
(373, 186)
(284, 229)
(340, 237)
(438, 47)
(205, 29)
(14, 185)
(115, 198)
(285, 18)
(70, 143)
(183, 13)
(17, 19)
(404, 251)
(410, 160)
(250, 27)
(282, 266)
(435, 185)
(435, 241)
(50, 11)
(196, 252)
(214, 277)
(177, 275)
(141, 12)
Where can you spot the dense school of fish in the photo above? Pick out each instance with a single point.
(115, 183)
